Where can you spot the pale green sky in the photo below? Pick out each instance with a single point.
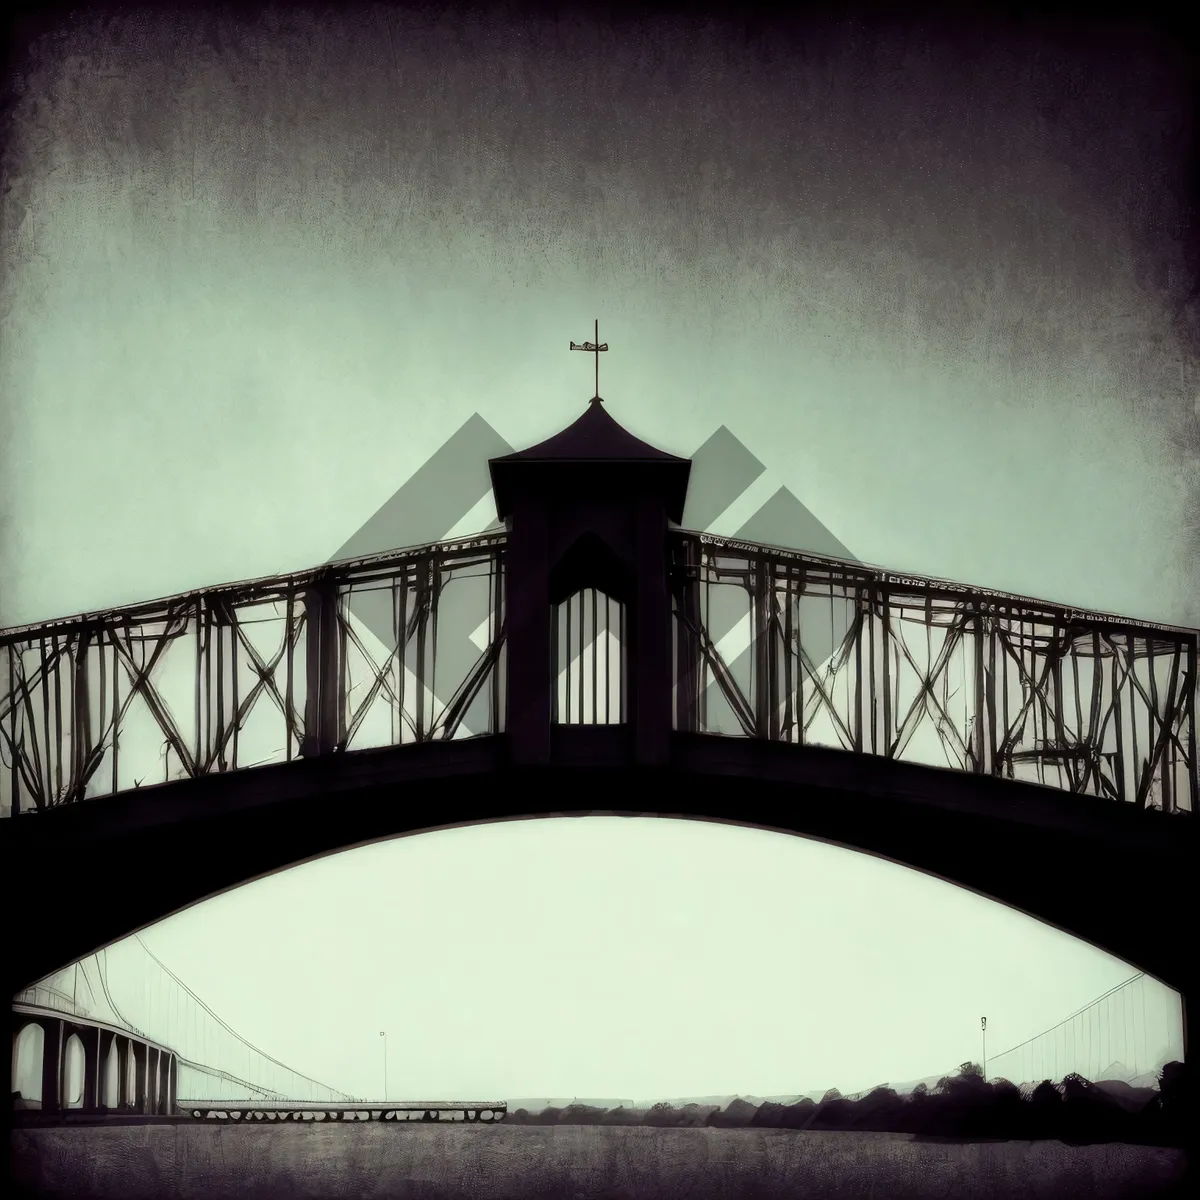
(252, 280)
(622, 958)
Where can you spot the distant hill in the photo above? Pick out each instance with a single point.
(967, 1106)
(1130, 1098)
(718, 1101)
(723, 1101)
(535, 1104)
(1148, 1079)
(930, 1082)
(538, 1104)
(1115, 1080)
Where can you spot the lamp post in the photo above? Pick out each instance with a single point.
(383, 1035)
(983, 1024)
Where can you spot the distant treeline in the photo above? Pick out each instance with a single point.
(962, 1105)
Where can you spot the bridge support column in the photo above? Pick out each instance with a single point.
(528, 618)
(121, 1045)
(688, 711)
(652, 666)
(324, 703)
(90, 1037)
(154, 1081)
(129, 1092)
(105, 1101)
(162, 1083)
(141, 1073)
(52, 1065)
(1188, 1006)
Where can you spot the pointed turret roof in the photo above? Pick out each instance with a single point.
(594, 437)
(593, 440)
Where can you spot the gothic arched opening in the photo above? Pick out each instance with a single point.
(112, 1075)
(131, 1072)
(590, 660)
(28, 1047)
(590, 589)
(74, 1061)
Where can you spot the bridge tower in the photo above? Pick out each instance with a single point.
(589, 508)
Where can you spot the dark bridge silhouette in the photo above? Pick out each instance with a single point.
(596, 658)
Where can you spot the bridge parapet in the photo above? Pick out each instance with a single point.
(797, 648)
(345, 657)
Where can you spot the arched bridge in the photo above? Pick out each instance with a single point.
(594, 657)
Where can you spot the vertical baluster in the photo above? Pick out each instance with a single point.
(48, 788)
(859, 601)
(1152, 715)
(402, 619)
(1131, 652)
(114, 633)
(10, 652)
(219, 629)
(773, 633)
(496, 576)
(888, 650)
(801, 592)
(756, 579)
(623, 665)
(289, 702)
(608, 655)
(1189, 701)
(199, 754)
(1081, 773)
(1005, 723)
(566, 606)
(436, 581)
(578, 601)
(980, 700)
(789, 665)
(234, 703)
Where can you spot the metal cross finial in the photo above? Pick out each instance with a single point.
(597, 349)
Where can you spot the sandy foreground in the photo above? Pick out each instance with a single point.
(440, 1162)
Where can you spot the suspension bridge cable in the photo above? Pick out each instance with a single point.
(88, 981)
(231, 1078)
(226, 1027)
(1075, 1014)
(108, 996)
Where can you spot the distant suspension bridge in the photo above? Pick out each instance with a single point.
(1126, 1034)
(215, 1062)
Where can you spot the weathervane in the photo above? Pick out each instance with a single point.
(597, 349)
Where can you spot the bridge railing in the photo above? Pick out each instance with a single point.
(408, 647)
(798, 648)
(393, 649)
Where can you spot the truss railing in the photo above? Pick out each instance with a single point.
(396, 648)
(805, 649)
(409, 647)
